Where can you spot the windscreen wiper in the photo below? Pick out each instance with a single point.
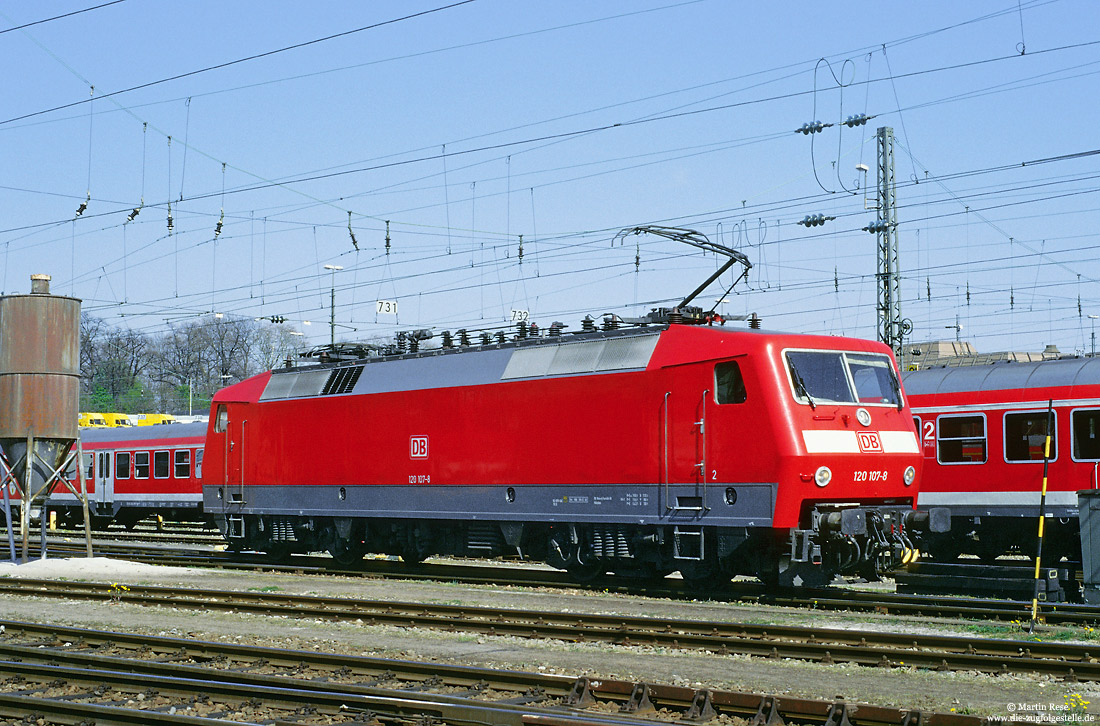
(897, 388)
(800, 385)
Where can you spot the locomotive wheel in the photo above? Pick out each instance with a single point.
(584, 572)
(345, 553)
(278, 551)
(703, 578)
(644, 571)
(945, 547)
(990, 548)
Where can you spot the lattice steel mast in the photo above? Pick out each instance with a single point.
(892, 328)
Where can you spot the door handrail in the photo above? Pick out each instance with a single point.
(702, 465)
(668, 504)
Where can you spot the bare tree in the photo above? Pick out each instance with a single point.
(273, 344)
(91, 330)
(230, 343)
(120, 357)
(180, 356)
(182, 368)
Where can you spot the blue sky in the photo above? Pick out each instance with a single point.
(564, 122)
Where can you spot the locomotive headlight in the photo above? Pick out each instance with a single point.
(910, 475)
(823, 476)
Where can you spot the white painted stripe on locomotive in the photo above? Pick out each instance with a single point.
(1015, 405)
(844, 442)
(899, 442)
(830, 442)
(994, 499)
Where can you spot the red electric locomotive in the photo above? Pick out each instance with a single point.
(133, 472)
(983, 430)
(637, 451)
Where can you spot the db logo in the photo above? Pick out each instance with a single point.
(418, 447)
(869, 442)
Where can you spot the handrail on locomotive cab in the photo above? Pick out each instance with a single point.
(702, 465)
(664, 404)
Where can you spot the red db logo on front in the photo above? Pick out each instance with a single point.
(869, 442)
(418, 447)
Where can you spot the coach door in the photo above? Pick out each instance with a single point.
(105, 479)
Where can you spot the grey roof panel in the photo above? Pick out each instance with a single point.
(530, 362)
(143, 433)
(1003, 376)
(624, 353)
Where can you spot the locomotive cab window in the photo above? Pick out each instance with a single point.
(160, 465)
(221, 422)
(729, 385)
(141, 465)
(874, 378)
(1026, 435)
(183, 464)
(961, 440)
(1086, 434)
(819, 376)
(122, 465)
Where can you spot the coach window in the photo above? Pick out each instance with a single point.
(122, 465)
(961, 440)
(1026, 435)
(1086, 434)
(221, 421)
(729, 385)
(89, 461)
(198, 463)
(160, 465)
(183, 464)
(141, 464)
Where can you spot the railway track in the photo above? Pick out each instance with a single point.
(192, 533)
(1071, 662)
(119, 678)
(833, 599)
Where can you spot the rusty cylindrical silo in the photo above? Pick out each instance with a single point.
(39, 379)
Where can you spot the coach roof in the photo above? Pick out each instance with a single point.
(1003, 376)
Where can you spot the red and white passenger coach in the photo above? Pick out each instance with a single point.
(983, 430)
(137, 471)
(637, 451)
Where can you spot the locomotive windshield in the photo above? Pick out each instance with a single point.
(819, 376)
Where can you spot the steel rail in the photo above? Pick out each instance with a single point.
(817, 599)
(42, 642)
(231, 697)
(1072, 661)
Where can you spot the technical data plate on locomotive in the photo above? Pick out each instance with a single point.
(636, 499)
(572, 499)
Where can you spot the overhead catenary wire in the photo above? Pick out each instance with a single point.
(448, 226)
(246, 59)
